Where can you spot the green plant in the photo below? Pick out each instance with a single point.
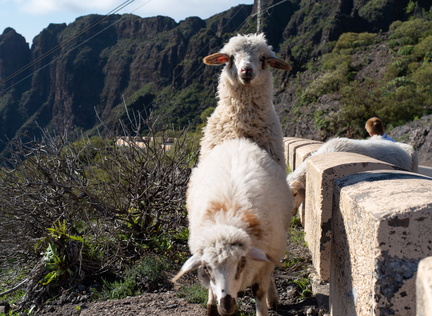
(410, 7)
(55, 263)
(297, 237)
(305, 287)
(119, 289)
(193, 294)
(410, 32)
(350, 41)
(145, 275)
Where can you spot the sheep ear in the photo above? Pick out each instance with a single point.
(191, 264)
(297, 185)
(278, 63)
(216, 59)
(259, 255)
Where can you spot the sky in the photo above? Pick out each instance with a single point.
(30, 17)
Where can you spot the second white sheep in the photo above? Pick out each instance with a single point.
(401, 155)
(239, 210)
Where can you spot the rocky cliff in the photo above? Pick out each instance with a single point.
(98, 66)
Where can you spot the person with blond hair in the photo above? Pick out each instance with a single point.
(374, 126)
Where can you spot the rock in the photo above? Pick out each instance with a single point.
(4, 307)
(293, 291)
(418, 134)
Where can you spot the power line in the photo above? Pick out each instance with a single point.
(62, 44)
(259, 11)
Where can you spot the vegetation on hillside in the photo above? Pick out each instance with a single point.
(399, 95)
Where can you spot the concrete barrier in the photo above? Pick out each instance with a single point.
(322, 171)
(367, 231)
(427, 171)
(381, 230)
(424, 288)
(293, 145)
(303, 152)
(289, 153)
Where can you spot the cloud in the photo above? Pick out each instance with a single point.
(40, 7)
(177, 9)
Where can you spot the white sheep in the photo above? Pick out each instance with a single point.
(239, 207)
(245, 91)
(401, 155)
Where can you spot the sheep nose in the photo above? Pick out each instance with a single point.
(227, 305)
(247, 74)
(247, 70)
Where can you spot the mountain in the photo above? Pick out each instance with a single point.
(95, 68)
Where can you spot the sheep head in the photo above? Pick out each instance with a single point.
(299, 193)
(224, 261)
(246, 58)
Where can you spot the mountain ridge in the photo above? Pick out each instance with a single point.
(99, 66)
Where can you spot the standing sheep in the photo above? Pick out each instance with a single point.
(245, 91)
(401, 155)
(238, 206)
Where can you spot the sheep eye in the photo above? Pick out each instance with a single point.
(207, 269)
(262, 59)
(240, 267)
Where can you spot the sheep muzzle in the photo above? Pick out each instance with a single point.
(247, 74)
(227, 305)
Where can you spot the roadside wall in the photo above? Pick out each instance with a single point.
(367, 225)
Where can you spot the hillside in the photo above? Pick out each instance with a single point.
(75, 75)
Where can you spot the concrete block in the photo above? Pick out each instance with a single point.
(293, 148)
(427, 171)
(287, 141)
(381, 230)
(321, 172)
(424, 288)
(303, 152)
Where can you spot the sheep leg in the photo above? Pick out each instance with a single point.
(259, 290)
(272, 296)
(211, 304)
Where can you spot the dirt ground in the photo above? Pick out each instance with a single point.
(168, 303)
(165, 301)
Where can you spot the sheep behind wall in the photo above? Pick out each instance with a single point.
(401, 155)
(245, 91)
(239, 207)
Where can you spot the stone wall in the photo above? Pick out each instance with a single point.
(367, 225)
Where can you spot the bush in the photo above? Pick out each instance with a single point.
(411, 32)
(354, 40)
(94, 206)
(147, 275)
(423, 50)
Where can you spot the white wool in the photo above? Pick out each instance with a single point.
(397, 154)
(221, 242)
(243, 178)
(239, 210)
(246, 110)
(401, 155)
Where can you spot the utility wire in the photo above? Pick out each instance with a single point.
(123, 5)
(272, 6)
(62, 44)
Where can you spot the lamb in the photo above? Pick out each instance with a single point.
(245, 91)
(238, 206)
(401, 155)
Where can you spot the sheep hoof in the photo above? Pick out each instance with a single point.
(273, 304)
